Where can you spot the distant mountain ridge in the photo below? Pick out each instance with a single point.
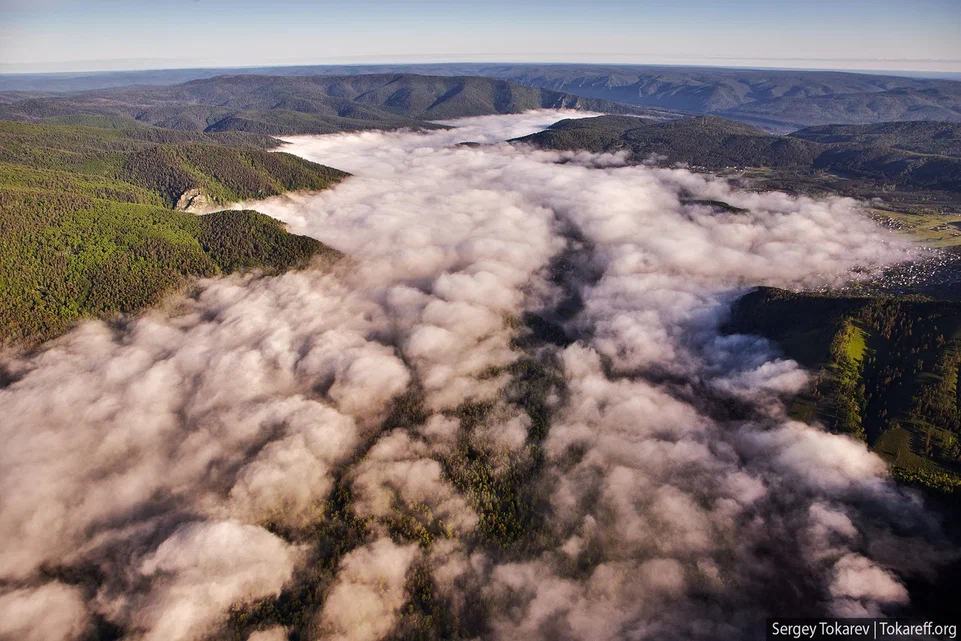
(785, 99)
(275, 105)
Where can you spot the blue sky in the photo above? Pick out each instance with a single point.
(47, 35)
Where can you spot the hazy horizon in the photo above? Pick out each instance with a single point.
(849, 35)
(147, 66)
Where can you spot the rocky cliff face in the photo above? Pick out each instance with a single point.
(194, 201)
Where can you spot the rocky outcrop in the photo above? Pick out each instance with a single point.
(194, 201)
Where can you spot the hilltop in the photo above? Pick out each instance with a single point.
(886, 372)
(704, 141)
(779, 99)
(910, 165)
(775, 98)
(940, 138)
(88, 225)
(277, 105)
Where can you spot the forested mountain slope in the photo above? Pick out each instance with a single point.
(908, 164)
(705, 141)
(87, 225)
(779, 98)
(773, 97)
(941, 138)
(886, 371)
(319, 104)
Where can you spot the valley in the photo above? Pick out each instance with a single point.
(479, 321)
(857, 340)
(446, 342)
(781, 100)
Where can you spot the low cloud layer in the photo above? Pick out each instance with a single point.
(158, 475)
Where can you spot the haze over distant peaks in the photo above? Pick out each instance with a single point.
(314, 104)
(778, 99)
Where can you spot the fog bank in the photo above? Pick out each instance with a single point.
(514, 395)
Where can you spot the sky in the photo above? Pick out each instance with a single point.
(73, 35)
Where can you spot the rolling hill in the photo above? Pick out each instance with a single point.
(277, 105)
(88, 225)
(909, 165)
(777, 99)
(942, 138)
(705, 141)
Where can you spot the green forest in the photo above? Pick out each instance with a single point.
(302, 105)
(88, 226)
(886, 372)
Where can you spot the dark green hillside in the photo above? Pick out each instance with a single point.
(939, 102)
(705, 141)
(599, 134)
(87, 226)
(223, 173)
(918, 174)
(892, 167)
(277, 105)
(165, 163)
(244, 240)
(64, 256)
(777, 98)
(941, 138)
(886, 371)
(920, 155)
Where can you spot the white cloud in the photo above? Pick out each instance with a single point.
(50, 612)
(364, 603)
(170, 442)
(197, 573)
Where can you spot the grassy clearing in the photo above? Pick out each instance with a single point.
(931, 229)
